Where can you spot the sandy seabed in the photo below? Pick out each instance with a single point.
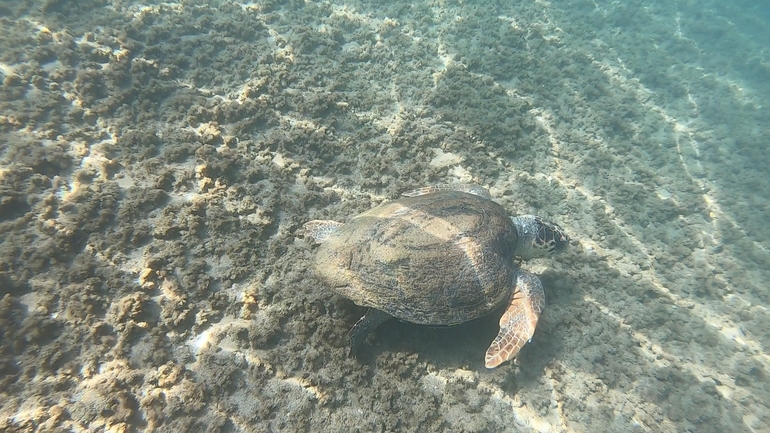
(158, 159)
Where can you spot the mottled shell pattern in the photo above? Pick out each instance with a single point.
(439, 259)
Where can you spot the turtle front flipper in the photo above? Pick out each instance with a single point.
(320, 230)
(366, 324)
(519, 320)
(470, 188)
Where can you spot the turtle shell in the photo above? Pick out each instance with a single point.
(436, 259)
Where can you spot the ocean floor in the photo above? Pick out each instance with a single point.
(157, 161)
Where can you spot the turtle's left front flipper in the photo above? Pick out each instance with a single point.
(519, 320)
(366, 324)
(320, 230)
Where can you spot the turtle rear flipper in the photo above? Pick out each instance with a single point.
(519, 320)
(320, 230)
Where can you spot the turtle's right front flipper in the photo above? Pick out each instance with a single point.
(519, 320)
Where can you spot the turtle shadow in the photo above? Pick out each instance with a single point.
(456, 346)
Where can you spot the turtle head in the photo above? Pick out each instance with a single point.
(538, 237)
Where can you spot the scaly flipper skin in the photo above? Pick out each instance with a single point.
(470, 188)
(519, 320)
(320, 230)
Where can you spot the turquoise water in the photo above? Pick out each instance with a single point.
(157, 161)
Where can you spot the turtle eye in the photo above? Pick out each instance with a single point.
(560, 242)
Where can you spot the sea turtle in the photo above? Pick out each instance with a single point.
(439, 255)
